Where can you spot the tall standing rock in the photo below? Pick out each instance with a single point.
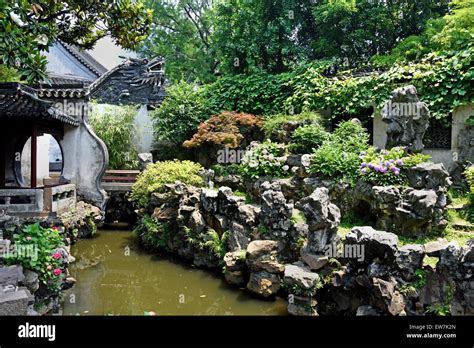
(266, 270)
(407, 119)
(323, 218)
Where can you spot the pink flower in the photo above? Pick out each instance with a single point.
(57, 271)
(56, 256)
(29, 238)
(54, 228)
(49, 267)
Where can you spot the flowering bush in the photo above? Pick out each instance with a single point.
(338, 157)
(265, 159)
(158, 174)
(386, 167)
(36, 249)
(227, 128)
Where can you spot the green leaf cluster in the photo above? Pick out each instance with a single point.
(27, 28)
(34, 249)
(264, 159)
(115, 125)
(306, 139)
(158, 174)
(153, 233)
(338, 157)
(180, 114)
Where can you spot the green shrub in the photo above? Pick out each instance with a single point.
(265, 159)
(226, 169)
(115, 126)
(35, 249)
(306, 139)
(388, 167)
(258, 94)
(210, 242)
(152, 233)
(276, 123)
(439, 78)
(338, 157)
(180, 114)
(158, 174)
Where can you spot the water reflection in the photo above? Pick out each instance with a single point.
(115, 277)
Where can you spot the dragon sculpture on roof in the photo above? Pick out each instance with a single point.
(135, 81)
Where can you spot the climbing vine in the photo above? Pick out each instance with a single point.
(443, 81)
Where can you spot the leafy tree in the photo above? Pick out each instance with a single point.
(29, 27)
(356, 30)
(459, 29)
(180, 114)
(453, 32)
(262, 34)
(181, 34)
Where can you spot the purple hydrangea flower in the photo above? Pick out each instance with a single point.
(363, 165)
(400, 162)
(383, 170)
(387, 163)
(395, 169)
(371, 166)
(363, 170)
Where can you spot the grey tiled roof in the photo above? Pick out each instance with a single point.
(20, 101)
(85, 58)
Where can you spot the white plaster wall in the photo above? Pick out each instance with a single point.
(42, 153)
(460, 116)
(447, 157)
(144, 126)
(85, 161)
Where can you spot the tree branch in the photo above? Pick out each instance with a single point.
(201, 34)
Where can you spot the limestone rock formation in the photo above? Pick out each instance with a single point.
(407, 119)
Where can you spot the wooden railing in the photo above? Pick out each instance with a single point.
(119, 180)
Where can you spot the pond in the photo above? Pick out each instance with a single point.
(115, 277)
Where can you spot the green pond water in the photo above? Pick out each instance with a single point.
(115, 277)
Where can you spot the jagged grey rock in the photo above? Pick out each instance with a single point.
(410, 258)
(262, 255)
(264, 283)
(379, 244)
(429, 176)
(407, 119)
(434, 248)
(301, 277)
(31, 280)
(144, 160)
(11, 275)
(234, 267)
(322, 217)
